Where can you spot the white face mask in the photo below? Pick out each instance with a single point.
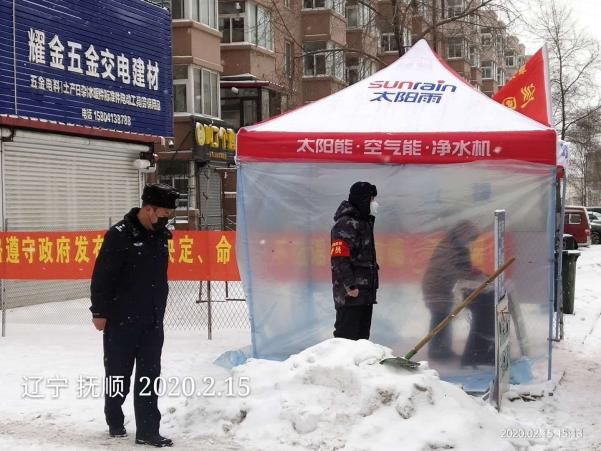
(373, 207)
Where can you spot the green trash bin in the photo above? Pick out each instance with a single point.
(568, 279)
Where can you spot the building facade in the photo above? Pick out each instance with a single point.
(85, 103)
(236, 63)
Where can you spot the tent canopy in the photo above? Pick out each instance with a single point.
(417, 110)
(398, 129)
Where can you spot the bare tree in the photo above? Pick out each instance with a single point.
(585, 155)
(431, 15)
(405, 20)
(574, 62)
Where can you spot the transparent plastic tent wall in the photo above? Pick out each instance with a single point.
(286, 213)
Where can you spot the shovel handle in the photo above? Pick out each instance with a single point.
(460, 307)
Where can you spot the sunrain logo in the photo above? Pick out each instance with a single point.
(409, 91)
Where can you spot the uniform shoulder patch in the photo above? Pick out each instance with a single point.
(340, 248)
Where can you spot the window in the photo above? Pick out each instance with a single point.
(423, 9)
(474, 56)
(327, 63)
(336, 5)
(510, 59)
(456, 48)
(500, 43)
(352, 16)
(500, 76)
(203, 11)
(353, 69)
(520, 61)
(407, 38)
(388, 41)
(260, 26)
(486, 37)
(287, 3)
(454, 7)
(489, 70)
(174, 173)
(359, 16)
(288, 59)
(313, 4)
(177, 9)
(180, 89)
(358, 68)
(573, 218)
(474, 19)
(315, 63)
(240, 22)
(195, 90)
(232, 29)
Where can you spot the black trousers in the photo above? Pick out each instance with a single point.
(353, 322)
(441, 344)
(125, 344)
(480, 345)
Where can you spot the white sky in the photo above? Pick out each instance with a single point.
(586, 13)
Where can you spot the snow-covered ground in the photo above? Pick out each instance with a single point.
(332, 396)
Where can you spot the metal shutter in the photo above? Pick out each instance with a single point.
(209, 185)
(59, 182)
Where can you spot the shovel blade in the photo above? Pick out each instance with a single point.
(400, 362)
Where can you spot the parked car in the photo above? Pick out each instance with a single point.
(595, 232)
(595, 209)
(593, 216)
(577, 224)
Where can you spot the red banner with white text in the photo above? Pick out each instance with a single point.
(193, 255)
(397, 148)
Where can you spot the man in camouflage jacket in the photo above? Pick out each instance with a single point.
(354, 266)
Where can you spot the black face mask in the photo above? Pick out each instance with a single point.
(160, 224)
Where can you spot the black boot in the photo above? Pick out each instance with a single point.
(158, 441)
(117, 432)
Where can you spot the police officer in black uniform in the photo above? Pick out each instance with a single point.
(129, 295)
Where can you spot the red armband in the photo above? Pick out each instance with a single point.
(340, 249)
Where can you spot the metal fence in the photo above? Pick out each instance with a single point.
(206, 305)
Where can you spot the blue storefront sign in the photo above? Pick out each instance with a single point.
(104, 64)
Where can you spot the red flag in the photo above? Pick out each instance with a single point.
(529, 90)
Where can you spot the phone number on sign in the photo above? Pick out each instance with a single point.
(103, 116)
(188, 387)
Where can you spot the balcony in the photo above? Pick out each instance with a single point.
(490, 87)
(462, 66)
(317, 87)
(245, 58)
(476, 76)
(356, 38)
(323, 25)
(195, 43)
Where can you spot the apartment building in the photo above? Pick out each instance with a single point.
(236, 63)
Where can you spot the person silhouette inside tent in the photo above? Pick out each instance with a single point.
(450, 263)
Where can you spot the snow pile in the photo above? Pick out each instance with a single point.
(336, 395)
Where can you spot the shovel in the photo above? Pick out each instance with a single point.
(406, 362)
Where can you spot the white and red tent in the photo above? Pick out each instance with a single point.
(439, 152)
(417, 98)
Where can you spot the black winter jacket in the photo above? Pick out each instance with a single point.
(129, 282)
(353, 257)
